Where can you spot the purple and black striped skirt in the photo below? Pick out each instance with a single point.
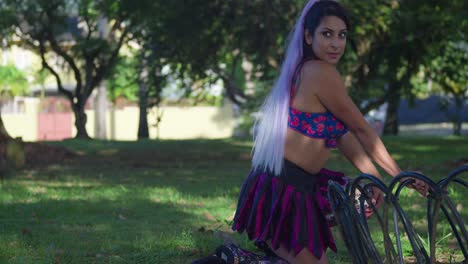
(289, 210)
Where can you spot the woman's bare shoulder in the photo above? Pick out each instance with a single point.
(323, 73)
(318, 68)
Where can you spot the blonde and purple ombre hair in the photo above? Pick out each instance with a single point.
(270, 132)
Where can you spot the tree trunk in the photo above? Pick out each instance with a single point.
(112, 121)
(143, 131)
(4, 136)
(457, 122)
(101, 99)
(80, 121)
(101, 111)
(392, 122)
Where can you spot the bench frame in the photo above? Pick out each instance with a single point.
(355, 230)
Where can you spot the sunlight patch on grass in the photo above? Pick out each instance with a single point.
(109, 152)
(163, 194)
(425, 148)
(58, 183)
(397, 156)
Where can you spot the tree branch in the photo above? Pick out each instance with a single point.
(235, 94)
(374, 104)
(56, 47)
(101, 71)
(68, 94)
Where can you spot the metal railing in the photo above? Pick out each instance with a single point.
(349, 213)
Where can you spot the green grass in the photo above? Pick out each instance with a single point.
(167, 201)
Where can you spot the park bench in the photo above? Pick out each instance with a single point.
(356, 232)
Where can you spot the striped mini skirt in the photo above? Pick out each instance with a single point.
(291, 209)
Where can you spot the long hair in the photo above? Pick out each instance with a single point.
(270, 129)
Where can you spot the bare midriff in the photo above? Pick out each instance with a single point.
(311, 154)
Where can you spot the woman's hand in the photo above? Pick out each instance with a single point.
(421, 186)
(375, 196)
(377, 200)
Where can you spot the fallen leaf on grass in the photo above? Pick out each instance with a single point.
(204, 230)
(245, 156)
(232, 216)
(26, 231)
(209, 216)
(194, 252)
(121, 217)
(226, 237)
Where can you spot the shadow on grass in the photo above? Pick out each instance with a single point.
(83, 232)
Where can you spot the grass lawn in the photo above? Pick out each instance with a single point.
(168, 201)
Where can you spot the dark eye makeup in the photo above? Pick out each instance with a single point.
(328, 34)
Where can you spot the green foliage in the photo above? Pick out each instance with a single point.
(391, 40)
(79, 39)
(124, 79)
(450, 68)
(209, 41)
(12, 80)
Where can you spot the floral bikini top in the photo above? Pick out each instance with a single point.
(315, 125)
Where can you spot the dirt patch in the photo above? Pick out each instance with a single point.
(41, 155)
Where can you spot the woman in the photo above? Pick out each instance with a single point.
(308, 112)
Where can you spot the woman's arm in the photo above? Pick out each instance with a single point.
(332, 94)
(353, 151)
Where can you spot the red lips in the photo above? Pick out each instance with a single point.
(333, 55)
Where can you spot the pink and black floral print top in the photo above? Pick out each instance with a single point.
(316, 125)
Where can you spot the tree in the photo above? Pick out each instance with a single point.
(66, 35)
(154, 52)
(215, 40)
(12, 82)
(450, 71)
(389, 43)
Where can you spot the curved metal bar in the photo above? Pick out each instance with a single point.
(363, 176)
(452, 175)
(404, 179)
(430, 222)
(338, 198)
(402, 185)
(371, 204)
(390, 252)
(416, 244)
(462, 182)
(358, 240)
(411, 174)
(455, 232)
(362, 209)
(433, 226)
(397, 236)
(456, 220)
(355, 229)
(388, 197)
(459, 221)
